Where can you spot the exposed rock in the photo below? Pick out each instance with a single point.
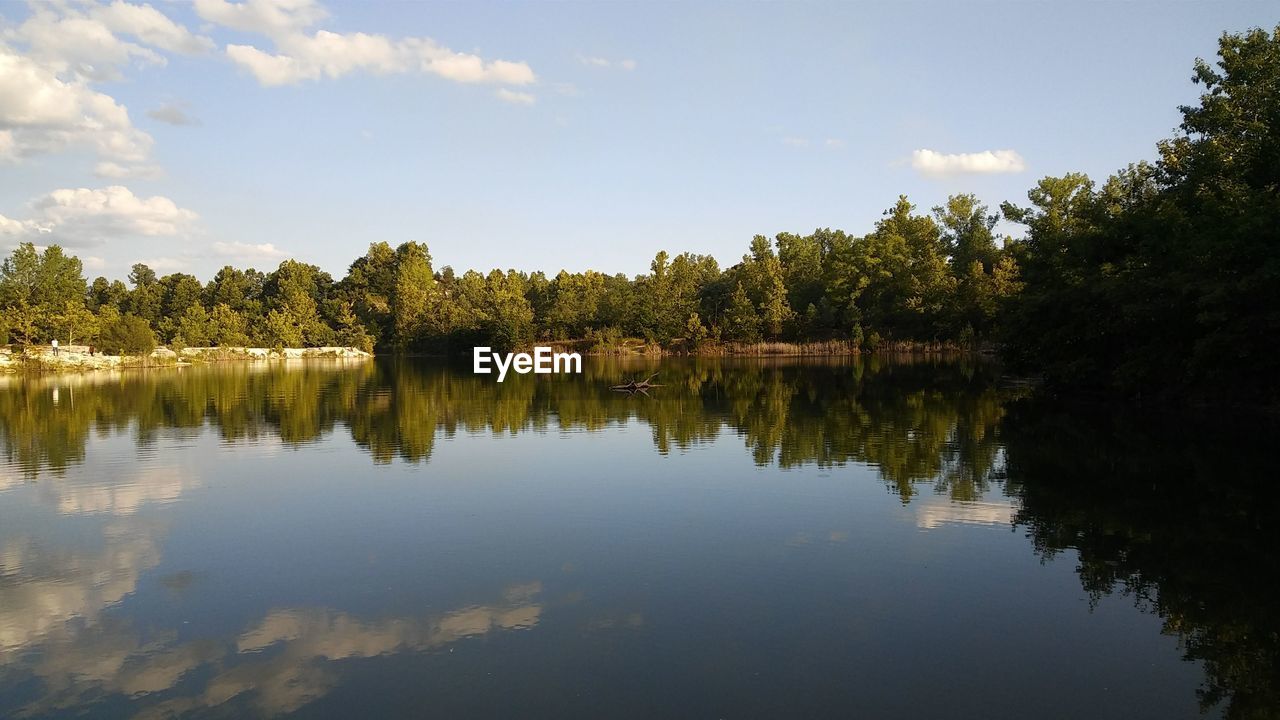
(77, 358)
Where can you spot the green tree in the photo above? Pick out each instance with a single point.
(125, 335)
(195, 328)
(741, 322)
(228, 328)
(293, 293)
(968, 233)
(36, 288)
(802, 263)
(509, 317)
(106, 292)
(19, 276)
(21, 322)
(76, 322)
(368, 286)
(413, 293)
(775, 309)
(146, 297)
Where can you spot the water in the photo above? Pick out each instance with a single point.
(754, 539)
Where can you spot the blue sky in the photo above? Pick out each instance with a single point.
(557, 135)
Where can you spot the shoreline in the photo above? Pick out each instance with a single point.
(77, 359)
(819, 348)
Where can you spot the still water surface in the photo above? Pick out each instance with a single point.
(754, 539)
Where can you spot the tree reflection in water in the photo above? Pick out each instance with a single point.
(1179, 516)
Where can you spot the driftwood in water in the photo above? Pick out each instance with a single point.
(636, 387)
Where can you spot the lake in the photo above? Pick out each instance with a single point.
(754, 539)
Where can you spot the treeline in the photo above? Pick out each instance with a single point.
(938, 276)
(1163, 280)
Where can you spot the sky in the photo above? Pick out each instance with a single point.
(565, 135)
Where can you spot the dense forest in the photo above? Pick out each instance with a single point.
(1162, 280)
(917, 277)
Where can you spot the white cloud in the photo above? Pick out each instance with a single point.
(332, 55)
(163, 265)
(834, 144)
(48, 63)
(41, 113)
(936, 164)
(83, 216)
(173, 114)
(514, 97)
(298, 55)
(86, 42)
(796, 142)
(17, 229)
(268, 17)
(151, 27)
(247, 251)
(600, 62)
(71, 43)
(93, 262)
(116, 171)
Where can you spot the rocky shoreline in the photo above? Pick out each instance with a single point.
(79, 359)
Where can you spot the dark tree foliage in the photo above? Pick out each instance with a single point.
(1165, 281)
(127, 335)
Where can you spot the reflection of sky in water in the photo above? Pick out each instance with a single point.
(549, 571)
(933, 513)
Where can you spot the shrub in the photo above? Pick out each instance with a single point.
(127, 335)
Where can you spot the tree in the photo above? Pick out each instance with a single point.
(510, 318)
(19, 275)
(802, 260)
(59, 279)
(350, 332)
(180, 291)
(20, 322)
(695, 333)
(240, 290)
(368, 286)
(967, 233)
(293, 293)
(909, 285)
(228, 328)
(103, 292)
(76, 322)
(1165, 281)
(285, 329)
(195, 328)
(775, 310)
(36, 288)
(126, 335)
(741, 323)
(660, 318)
(146, 297)
(413, 293)
(574, 303)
